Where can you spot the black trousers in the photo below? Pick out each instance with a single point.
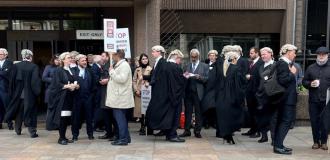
(281, 123)
(64, 123)
(20, 118)
(111, 127)
(192, 103)
(82, 109)
(252, 105)
(171, 133)
(319, 132)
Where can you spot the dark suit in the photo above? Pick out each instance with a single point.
(287, 101)
(83, 106)
(5, 71)
(194, 94)
(251, 90)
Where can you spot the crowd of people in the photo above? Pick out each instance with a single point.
(100, 90)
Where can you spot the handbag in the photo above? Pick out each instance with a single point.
(271, 85)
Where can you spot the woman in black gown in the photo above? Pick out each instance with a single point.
(62, 92)
(229, 97)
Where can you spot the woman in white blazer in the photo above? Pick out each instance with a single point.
(120, 95)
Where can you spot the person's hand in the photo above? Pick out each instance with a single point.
(138, 93)
(186, 74)
(104, 81)
(197, 76)
(248, 76)
(76, 86)
(110, 68)
(315, 83)
(71, 87)
(293, 69)
(146, 84)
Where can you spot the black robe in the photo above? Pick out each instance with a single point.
(167, 94)
(208, 101)
(229, 97)
(56, 102)
(25, 80)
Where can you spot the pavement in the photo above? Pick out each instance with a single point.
(45, 147)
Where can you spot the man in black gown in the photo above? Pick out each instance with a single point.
(25, 87)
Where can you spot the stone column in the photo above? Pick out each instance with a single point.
(287, 31)
(140, 27)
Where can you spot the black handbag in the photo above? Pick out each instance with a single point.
(271, 85)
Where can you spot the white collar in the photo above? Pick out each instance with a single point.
(196, 63)
(171, 60)
(157, 59)
(285, 60)
(80, 68)
(2, 61)
(256, 60)
(268, 63)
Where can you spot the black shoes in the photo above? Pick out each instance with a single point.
(186, 134)
(119, 143)
(64, 141)
(248, 133)
(91, 137)
(229, 139)
(176, 139)
(198, 135)
(282, 150)
(263, 139)
(74, 138)
(10, 126)
(34, 135)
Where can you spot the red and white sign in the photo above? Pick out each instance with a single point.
(109, 30)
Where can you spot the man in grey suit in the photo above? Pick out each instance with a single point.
(196, 75)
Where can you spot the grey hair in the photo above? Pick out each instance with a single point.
(4, 51)
(80, 56)
(267, 49)
(97, 58)
(26, 54)
(287, 47)
(194, 51)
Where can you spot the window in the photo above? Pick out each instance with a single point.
(36, 25)
(78, 24)
(3, 24)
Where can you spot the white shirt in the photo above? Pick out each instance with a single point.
(255, 60)
(285, 60)
(194, 66)
(1, 63)
(157, 59)
(81, 72)
(268, 63)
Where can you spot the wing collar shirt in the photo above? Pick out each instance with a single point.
(157, 59)
(1, 63)
(268, 63)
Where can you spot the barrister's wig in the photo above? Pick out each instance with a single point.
(213, 52)
(232, 55)
(80, 56)
(287, 47)
(158, 48)
(267, 49)
(238, 49)
(26, 54)
(63, 55)
(73, 54)
(175, 54)
(4, 51)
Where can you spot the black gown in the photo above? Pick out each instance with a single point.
(61, 99)
(167, 94)
(24, 81)
(229, 98)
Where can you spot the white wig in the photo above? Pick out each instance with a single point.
(232, 55)
(287, 47)
(80, 56)
(63, 55)
(158, 48)
(26, 54)
(267, 49)
(73, 54)
(174, 54)
(4, 51)
(212, 52)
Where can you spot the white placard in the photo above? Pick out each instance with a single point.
(145, 98)
(122, 41)
(109, 29)
(89, 34)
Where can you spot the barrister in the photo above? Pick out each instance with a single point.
(25, 86)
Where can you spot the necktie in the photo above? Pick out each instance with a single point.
(194, 67)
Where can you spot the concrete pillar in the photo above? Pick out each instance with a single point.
(140, 34)
(288, 30)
